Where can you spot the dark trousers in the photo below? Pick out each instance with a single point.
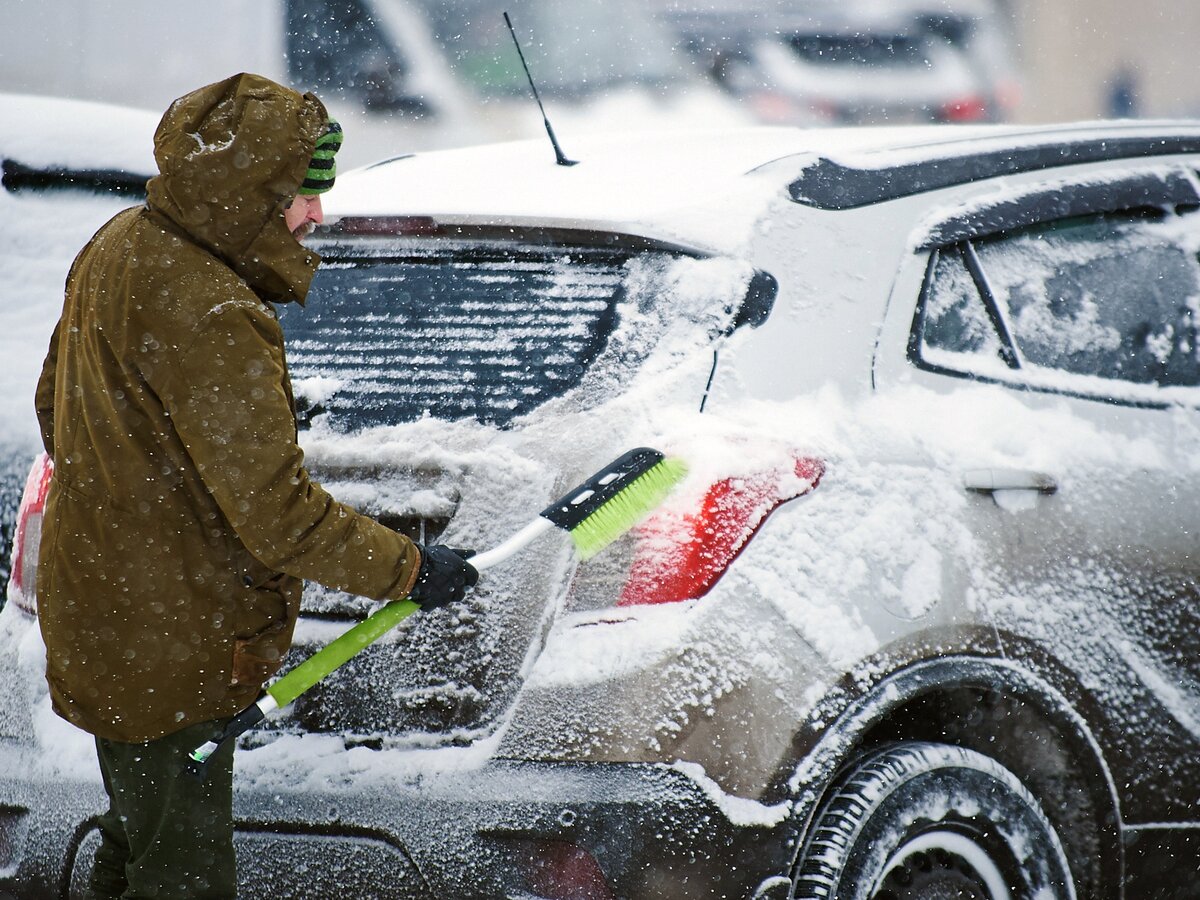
(166, 834)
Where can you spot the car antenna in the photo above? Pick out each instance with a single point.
(559, 156)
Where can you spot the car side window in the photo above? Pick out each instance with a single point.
(1114, 296)
(956, 319)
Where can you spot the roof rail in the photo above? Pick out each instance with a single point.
(832, 185)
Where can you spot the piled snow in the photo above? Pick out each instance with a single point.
(65, 751)
(42, 231)
(738, 810)
(77, 134)
(40, 234)
(690, 186)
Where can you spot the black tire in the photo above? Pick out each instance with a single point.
(932, 822)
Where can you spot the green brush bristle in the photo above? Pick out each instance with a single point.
(627, 508)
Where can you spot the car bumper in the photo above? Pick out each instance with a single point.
(506, 830)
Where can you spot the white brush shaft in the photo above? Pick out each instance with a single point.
(513, 545)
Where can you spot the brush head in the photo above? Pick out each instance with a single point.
(627, 507)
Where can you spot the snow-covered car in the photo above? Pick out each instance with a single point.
(67, 167)
(920, 622)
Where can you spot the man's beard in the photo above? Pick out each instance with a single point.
(300, 232)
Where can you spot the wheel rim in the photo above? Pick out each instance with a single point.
(941, 865)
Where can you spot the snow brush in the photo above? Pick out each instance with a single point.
(595, 514)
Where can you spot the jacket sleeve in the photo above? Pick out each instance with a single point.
(227, 401)
(44, 398)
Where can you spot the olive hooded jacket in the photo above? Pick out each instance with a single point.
(181, 517)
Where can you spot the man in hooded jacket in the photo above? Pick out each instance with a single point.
(180, 518)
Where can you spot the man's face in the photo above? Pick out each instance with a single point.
(303, 214)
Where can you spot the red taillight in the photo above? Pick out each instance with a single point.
(22, 587)
(972, 108)
(681, 555)
(775, 108)
(558, 870)
(1008, 97)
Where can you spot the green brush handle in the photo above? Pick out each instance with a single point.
(338, 652)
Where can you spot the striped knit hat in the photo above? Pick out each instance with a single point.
(322, 168)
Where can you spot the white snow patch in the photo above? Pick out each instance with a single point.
(77, 134)
(40, 234)
(605, 645)
(1182, 707)
(324, 762)
(739, 810)
(65, 751)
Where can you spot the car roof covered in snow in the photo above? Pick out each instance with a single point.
(674, 183)
(99, 145)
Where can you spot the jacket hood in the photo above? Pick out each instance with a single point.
(229, 155)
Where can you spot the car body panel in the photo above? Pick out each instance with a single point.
(1131, 637)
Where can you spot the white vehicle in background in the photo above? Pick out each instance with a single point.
(601, 66)
(921, 621)
(372, 62)
(401, 75)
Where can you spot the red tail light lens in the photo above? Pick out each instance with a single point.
(775, 108)
(681, 555)
(966, 109)
(22, 587)
(558, 870)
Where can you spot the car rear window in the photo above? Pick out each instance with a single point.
(488, 334)
(855, 50)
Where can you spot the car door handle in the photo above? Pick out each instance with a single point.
(986, 481)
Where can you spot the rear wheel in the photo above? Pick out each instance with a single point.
(932, 822)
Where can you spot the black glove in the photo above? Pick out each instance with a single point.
(444, 577)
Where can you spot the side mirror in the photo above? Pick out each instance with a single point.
(757, 303)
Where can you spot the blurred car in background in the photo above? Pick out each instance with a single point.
(67, 166)
(373, 62)
(601, 66)
(857, 62)
(921, 622)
